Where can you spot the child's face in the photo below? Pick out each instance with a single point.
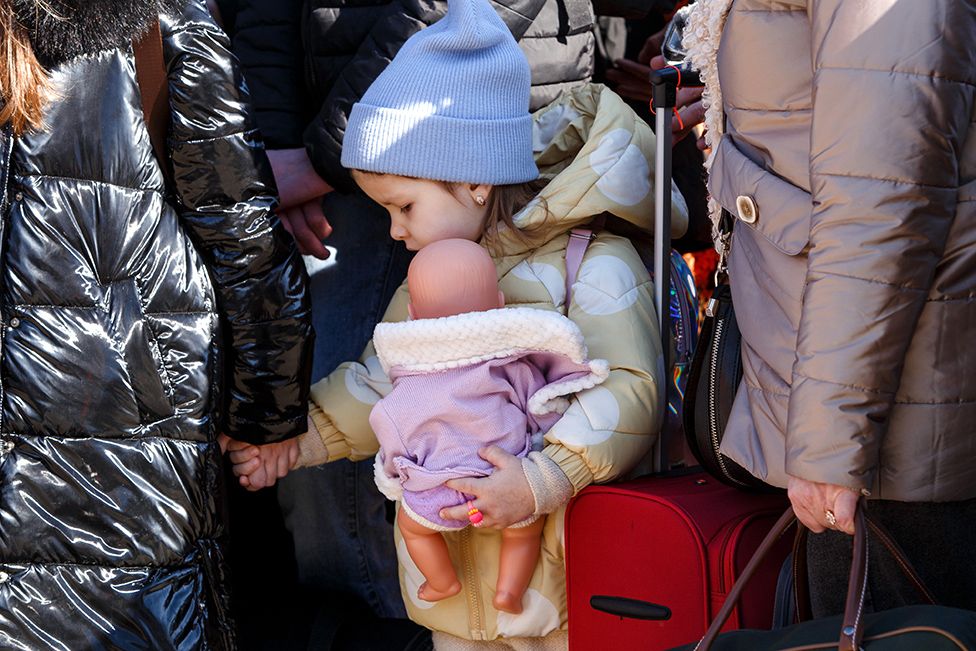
(423, 211)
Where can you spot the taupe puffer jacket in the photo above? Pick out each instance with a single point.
(849, 146)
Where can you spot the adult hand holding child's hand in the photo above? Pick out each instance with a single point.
(504, 497)
(260, 466)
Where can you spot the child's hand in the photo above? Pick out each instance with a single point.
(261, 466)
(504, 498)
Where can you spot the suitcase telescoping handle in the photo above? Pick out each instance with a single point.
(664, 87)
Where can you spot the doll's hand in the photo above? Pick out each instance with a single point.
(504, 497)
(261, 466)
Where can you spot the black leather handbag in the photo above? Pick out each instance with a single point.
(714, 378)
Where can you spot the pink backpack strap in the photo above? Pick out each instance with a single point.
(579, 240)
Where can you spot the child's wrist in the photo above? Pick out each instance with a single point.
(311, 448)
(550, 486)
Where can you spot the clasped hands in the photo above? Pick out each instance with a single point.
(503, 497)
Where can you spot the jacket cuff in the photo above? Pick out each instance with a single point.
(550, 486)
(260, 433)
(311, 448)
(332, 439)
(572, 465)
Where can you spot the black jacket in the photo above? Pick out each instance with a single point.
(135, 315)
(340, 46)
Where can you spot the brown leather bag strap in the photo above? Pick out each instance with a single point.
(852, 630)
(801, 578)
(154, 88)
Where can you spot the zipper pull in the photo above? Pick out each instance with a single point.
(710, 309)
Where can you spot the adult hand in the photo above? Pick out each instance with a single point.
(632, 80)
(651, 47)
(308, 226)
(812, 500)
(297, 180)
(260, 466)
(504, 497)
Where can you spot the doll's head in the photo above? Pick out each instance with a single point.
(451, 277)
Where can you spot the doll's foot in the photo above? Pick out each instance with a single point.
(428, 593)
(508, 602)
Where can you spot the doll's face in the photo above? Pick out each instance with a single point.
(423, 211)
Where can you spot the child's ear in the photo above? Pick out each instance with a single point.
(410, 312)
(479, 193)
(501, 298)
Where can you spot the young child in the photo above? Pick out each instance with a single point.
(443, 140)
(466, 375)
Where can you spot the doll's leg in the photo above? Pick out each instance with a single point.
(520, 554)
(429, 551)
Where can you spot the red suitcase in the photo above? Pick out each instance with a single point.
(665, 547)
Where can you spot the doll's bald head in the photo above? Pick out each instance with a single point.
(451, 277)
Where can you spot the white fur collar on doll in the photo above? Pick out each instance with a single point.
(464, 339)
(703, 35)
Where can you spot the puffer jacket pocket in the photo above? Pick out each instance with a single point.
(762, 201)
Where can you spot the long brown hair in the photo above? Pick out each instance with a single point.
(25, 86)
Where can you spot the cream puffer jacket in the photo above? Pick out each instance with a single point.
(600, 156)
(849, 157)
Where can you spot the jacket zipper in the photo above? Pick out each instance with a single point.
(713, 392)
(4, 207)
(472, 587)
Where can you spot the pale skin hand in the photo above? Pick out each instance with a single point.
(297, 180)
(260, 466)
(812, 499)
(504, 497)
(307, 224)
(300, 190)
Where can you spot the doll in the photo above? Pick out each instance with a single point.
(467, 374)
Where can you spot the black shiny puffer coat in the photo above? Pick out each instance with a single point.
(137, 319)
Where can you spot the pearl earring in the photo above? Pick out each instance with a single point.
(480, 200)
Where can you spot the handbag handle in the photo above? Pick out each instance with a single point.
(852, 628)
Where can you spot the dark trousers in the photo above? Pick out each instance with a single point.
(938, 538)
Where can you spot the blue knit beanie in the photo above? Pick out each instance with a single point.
(453, 105)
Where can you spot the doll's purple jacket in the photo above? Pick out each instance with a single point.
(465, 382)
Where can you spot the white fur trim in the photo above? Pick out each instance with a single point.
(389, 486)
(703, 35)
(550, 398)
(455, 341)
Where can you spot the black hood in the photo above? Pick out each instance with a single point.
(64, 29)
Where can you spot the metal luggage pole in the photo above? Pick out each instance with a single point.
(664, 92)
